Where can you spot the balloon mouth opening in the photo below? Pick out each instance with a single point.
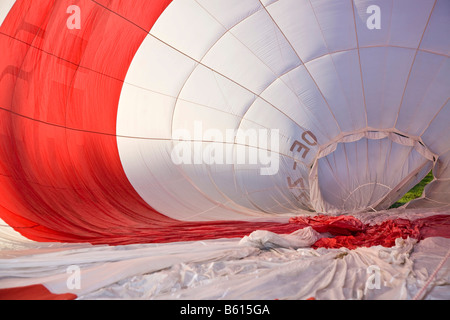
(367, 171)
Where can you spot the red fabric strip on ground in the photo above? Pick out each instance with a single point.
(33, 292)
(351, 233)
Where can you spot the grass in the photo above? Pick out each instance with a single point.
(415, 192)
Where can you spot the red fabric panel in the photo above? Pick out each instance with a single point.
(60, 174)
(33, 292)
(383, 234)
(435, 226)
(339, 225)
(351, 233)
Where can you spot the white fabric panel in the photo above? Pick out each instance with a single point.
(234, 185)
(167, 187)
(189, 116)
(272, 190)
(438, 191)
(280, 94)
(204, 178)
(436, 135)
(408, 21)
(358, 174)
(258, 33)
(304, 68)
(145, 104)
(349, 117)
(427, 204)
(270, 195)
(335, 19)
(235, 61)
(150, 182)
(296, 176)
(372, 37)
(268, 2)
(436, 37)
(349, 80)
(223, 178)
(301, 83)
(401, 165)
(5, 7)
(297, 21)
(209, 89)
(442, 168)
(385, 72)
(402, 22)
(231, 12)
(265, 115)
(162, 62)
(427, 91)
(186, 26)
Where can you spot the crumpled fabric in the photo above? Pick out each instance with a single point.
(263, 239)
(336, 225)
(434, 226)
(395, 273)
(351, 233)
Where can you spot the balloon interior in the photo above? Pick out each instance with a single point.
(148, 122)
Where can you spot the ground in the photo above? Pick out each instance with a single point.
(415, 192)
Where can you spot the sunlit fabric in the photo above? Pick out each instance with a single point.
(159, 121)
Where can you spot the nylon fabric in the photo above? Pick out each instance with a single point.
(90, 116)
